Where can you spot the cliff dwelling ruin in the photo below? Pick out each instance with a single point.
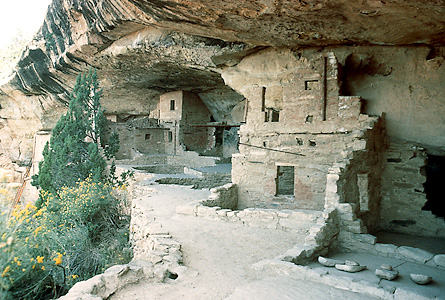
(314, 111)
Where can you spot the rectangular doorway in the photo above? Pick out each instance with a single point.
(285, 180)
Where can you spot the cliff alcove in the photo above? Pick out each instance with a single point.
(318, 104)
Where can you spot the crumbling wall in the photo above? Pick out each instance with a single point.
(136, 141)
(358, 180)
(403, 195)
(297, 121)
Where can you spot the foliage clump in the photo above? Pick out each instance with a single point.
(79, 147)
(80, 224)
(43, 252)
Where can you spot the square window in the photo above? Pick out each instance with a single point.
(275, 116)
(311, 85)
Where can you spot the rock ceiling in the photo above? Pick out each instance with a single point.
(144, 48)
(211, 33)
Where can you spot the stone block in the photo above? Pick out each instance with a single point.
(414, 254)
(404, 294)
(439, 259)
(388, 250)
(204, 211)
(344, 208)
(348, 216)
(223, 212)
(366, 238)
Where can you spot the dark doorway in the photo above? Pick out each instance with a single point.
(434, 185)
(285, 180)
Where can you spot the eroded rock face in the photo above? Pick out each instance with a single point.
(145, 48)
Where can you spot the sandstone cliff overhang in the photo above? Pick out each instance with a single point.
(143, 49)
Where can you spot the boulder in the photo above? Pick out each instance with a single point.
(420, 278)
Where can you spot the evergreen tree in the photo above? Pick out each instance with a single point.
(77, 148)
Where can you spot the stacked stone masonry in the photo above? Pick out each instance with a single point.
(297, 123)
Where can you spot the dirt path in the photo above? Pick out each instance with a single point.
(218, 255)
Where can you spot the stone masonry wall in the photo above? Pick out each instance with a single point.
(358, 180)
(295, 118)
(403, 194)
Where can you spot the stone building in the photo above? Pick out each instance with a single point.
(305, 146)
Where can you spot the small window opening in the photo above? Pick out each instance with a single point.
(275, 116)
(170, 136)
(263, 99)
(299, 141)
(172, 104)
(312, 143)
(285, 180)
(435, 178)
(310, 85)
(264, 144)
(147, 136)
(309, 119)
(271, 115)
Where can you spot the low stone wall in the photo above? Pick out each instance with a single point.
(286, 220)
(321, 239)
(225, 196)
(321, 236)
(352, 237)
(156, 256)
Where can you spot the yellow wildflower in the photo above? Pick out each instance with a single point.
(17, 261)
(23, 270)
(6, 271)
(58, 259)
(40, 259)
(43, 268)
(36, 231)
(38, 213)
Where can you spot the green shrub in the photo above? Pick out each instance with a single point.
(75, 236)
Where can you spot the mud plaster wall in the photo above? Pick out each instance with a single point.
(406, 83)
(135, 141)
(305, 133)
(194, 112)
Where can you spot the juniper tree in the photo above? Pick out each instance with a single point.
(77, 148)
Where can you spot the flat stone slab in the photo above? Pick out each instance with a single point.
(350, 268)
(439, 259)
(415, 254)
(328, 262)
(387, 274)
(420, 278)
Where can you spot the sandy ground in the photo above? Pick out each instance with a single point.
(219, 255)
